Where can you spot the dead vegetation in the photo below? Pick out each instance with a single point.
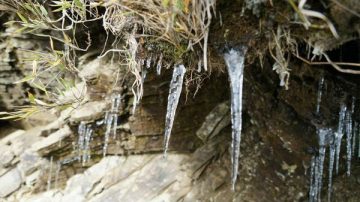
(156, 33)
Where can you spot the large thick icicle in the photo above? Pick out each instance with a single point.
(338, 136)
(235, 65)
(173, 100)
(319, 94)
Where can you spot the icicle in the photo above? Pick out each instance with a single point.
(159, 65)
(58, 169)
(319, 94)
(313, 191)
(338, 136)
(116, 101)
(50, 175)
(173, 100)
(358, 133)
(143, 76)
(331, 165)
(81, 133)
(348, 127)
(87, 153)
(109, 122)
(323, 135)
(355, 131)
(235, 65)
(148, 62)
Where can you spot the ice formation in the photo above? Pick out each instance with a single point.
(50, 175)
(319, 94)
(348, 129)
(111, 121)
(173, 100)
(159, 64)
(313, 186)
(338, 136)
(331, 165)
(85, 133)
(234, 59)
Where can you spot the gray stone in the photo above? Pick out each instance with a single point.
(10, 182)
(52, 139)
(89, 111)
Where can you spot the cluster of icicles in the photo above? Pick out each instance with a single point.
(234, 59)
(332, 139)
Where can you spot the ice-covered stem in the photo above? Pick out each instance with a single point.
(234, 59)
(173, 100)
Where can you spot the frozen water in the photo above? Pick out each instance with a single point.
(319, 94)
(313, 191)
(348, 127)
(58, 169)
(173, 100)
(324, 135)
(148, 62)
(87, 152)
(111, 121)
(159, 65)
(234, 60)
(116, 100)
(50, 174)
(355, 131)
(338, 136)
(331, 165)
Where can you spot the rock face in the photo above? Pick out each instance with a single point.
(10, 182)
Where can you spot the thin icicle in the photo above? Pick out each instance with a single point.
(355, 131)
(331, 165)
(87, 153)
(81, 133)
(358, 133)
(323, 135)
(319, 94)
(159, 65)
(348, 127)
(50, 174)
(338, 136)
(313, 191)
(173, 100)
(109, 122)
(115, 110)
(58, 169)
(148, 62)
(235, 65)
